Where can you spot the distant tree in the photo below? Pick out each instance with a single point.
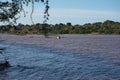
(107, 27)
(45, 29)
(69, 24)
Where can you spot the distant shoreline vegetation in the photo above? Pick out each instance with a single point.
(106, 27)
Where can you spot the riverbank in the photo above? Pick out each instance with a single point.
(104, 45)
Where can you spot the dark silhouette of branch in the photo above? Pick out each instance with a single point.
(10, 9)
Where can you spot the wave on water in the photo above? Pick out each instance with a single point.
(33, 62)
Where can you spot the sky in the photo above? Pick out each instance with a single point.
(75, 11)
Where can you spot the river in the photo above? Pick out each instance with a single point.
(36, 62)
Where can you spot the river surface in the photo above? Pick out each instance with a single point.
(34, 62)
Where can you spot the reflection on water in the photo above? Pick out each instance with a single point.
(32, 62)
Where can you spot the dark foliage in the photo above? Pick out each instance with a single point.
(106, 27)
(10, 9)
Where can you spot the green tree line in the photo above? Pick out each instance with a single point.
(106, 27)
